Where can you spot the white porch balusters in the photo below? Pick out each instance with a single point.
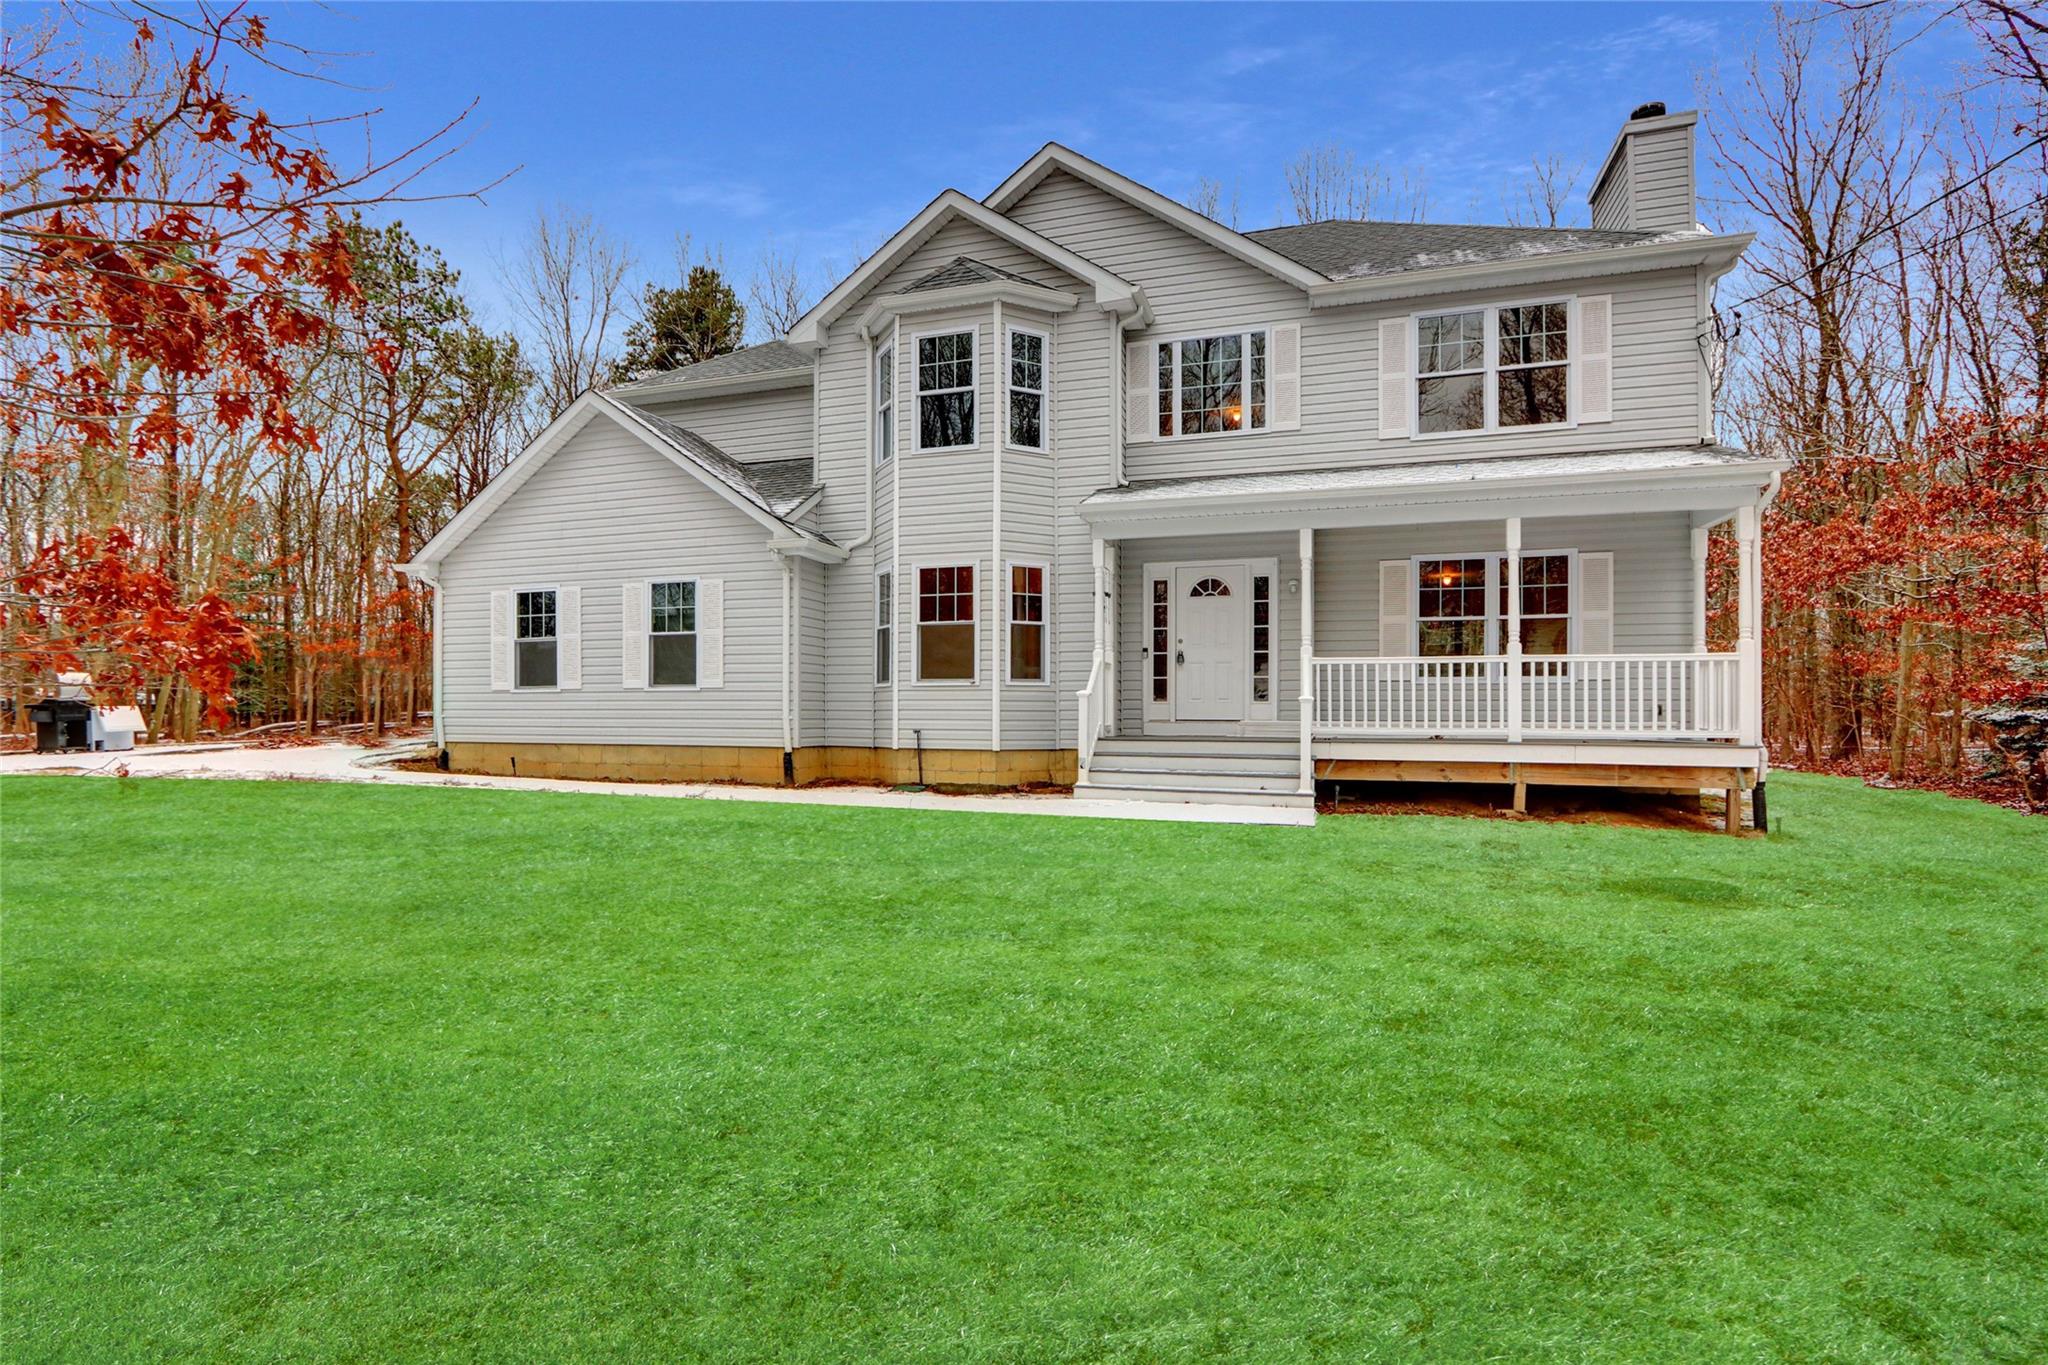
(1511, 683)
(1749, 605)
(1093, 698)
(1308, 661)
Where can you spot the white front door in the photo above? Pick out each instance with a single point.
(1212, 639)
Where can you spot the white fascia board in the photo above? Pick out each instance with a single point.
(1053, 156)
(1718, 252)
(965, 295)
(1113, 293)
(797, 377)
(1698, 491)
(1684, 118)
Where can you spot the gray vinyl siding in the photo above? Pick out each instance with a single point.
(1196, 288)
(774, 424)
(855, 709)
(1134, 614)
(1611, 206)
(1660, 180)
(1653, 580)
(811, 645)
(605, 510)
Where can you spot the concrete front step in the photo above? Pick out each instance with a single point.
(1254, 783)
(1206, 796)
(1178, 745)
(1289, 766)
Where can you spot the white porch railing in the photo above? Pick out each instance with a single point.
(1093, 700)
(1569, 696)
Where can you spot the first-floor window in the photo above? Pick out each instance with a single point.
(535, 637)
(672, 634)
(945, 624)
(1027, 623)
(1456, 614)
(885, 627)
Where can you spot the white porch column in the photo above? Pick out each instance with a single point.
(1308, 661)
(1749, 648)
(1511, 686)
(1112, 605)
(1699, 589)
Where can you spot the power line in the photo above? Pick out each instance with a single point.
(1903, 219)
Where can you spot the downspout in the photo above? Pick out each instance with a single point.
(896, 535)
(999, 414)
(433, 580)
(788, 718)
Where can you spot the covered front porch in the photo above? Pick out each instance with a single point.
(1520, 619)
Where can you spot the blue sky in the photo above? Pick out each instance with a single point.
(818, 129)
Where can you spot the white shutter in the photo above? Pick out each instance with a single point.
(1395, 617)
(1396, 348)
(633, 635)
(501, 640)
(1596, 604)
(710, 632)
(1284, 365)
(569, 638)
(1595, 344)
(1141, 396)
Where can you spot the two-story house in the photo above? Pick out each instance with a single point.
(1071, 483)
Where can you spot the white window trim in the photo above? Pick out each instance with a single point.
(880, 399)
(1044, 624)
(917, 678)
(696, 599)
(917, 394)
(1044, 389)
(1489, 370)
(1496, 630)
(518, 686)
(879, 627)
(1246, 333)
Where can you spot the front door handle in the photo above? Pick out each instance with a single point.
(1179, 657)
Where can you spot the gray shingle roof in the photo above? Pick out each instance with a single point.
(1344, 249)
(775, 486)
(767, 358)
(964, 270)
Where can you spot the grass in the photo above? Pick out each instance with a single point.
(333, 1072)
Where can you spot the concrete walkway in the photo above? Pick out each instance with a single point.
(340, 762)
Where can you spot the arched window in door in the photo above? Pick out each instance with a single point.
(1210, 587)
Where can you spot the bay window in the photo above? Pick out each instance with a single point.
(1213, 384)
(1027, 623)
(946, 643)
(1488, 369)
(1027, 389)
(945, 391)
(885, 404)
(885, 627)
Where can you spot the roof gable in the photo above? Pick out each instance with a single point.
(1053, 157)
(769, 498)
(1110, 291)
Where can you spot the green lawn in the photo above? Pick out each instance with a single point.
(354, 1073)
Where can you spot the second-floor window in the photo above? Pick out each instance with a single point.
(885, 404)
(1484, 369)
(1027, 389)
(1212, 384)
(945, 391)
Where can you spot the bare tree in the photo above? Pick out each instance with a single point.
(1332, 182)
(1543, 192)
(778, 293)
(567, 285)
(1207, 199)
